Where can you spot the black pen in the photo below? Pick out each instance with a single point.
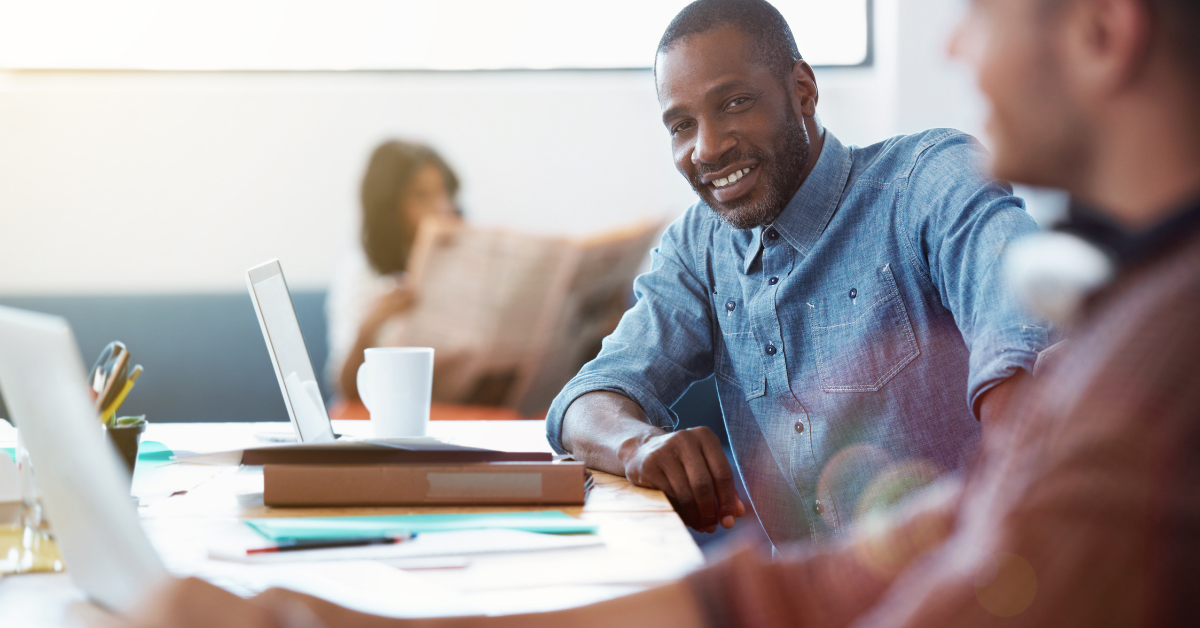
(297, 545)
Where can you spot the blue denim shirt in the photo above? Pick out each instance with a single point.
(850, 339)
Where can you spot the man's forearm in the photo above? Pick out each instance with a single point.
(994, 405)
(668, 606)
(610, 432)
(832, 585)
(600, 426)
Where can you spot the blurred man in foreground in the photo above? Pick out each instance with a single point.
(1084, 508)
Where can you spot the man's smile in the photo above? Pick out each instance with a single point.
(732, 183)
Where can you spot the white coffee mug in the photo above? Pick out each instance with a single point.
(395, 384)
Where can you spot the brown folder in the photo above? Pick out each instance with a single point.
(529, 483)
(383, 452)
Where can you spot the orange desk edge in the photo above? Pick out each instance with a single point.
(355, 410)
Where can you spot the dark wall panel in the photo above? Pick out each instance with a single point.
(204, 354)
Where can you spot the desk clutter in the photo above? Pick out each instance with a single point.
(203, 519)
(348, 518)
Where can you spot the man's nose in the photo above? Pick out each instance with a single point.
(712, 141)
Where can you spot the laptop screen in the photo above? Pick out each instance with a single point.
(281, 330)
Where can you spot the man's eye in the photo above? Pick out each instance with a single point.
(681, 127)
(737, 102)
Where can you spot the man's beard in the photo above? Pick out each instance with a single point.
(780, 174)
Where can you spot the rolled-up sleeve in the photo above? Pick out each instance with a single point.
(661, 346)
(960, 235)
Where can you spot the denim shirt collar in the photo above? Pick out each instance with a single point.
(806, 215)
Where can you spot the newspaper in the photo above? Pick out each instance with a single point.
(513, 317)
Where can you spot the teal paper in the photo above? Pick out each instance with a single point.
(152, 455)
(154, 450)
(315, 528)
(11, 451)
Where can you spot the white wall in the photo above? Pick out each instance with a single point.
(148, 182)
(198, 176)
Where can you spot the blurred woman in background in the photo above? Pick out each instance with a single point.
(404, 184)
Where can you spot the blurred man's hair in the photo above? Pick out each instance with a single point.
(1181, 20)
(774, 45)
(1177, 19)
(387, 235)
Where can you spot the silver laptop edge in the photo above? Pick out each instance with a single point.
(289, 354)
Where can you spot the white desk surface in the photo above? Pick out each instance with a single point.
(645, 541)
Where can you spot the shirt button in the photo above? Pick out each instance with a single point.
(853, 293)
(730, 305)
(772, 234)
(770, 349)
(773, 280)
(818, 508)
(799, 427)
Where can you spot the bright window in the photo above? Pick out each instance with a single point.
(379, 34)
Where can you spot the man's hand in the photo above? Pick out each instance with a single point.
(609, 432)
(191, 602)
(691, 468)
(187, 603)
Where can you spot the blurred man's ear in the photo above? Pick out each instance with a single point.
(1106, 45)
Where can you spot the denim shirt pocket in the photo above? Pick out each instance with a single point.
(862, 334)
(737, 360)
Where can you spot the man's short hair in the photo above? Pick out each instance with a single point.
(1178, 20)
(774, 45)
(1181, 21)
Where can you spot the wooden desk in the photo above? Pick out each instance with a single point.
(645, 541)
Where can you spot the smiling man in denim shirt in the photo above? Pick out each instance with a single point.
(849, 300)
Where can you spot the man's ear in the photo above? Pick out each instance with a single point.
(804, 88)
(1107, 44)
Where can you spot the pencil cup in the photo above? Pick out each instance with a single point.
(126, 440)
(395, 384)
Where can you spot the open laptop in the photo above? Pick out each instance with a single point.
(289, 354)
(83, 484)
(302, 396)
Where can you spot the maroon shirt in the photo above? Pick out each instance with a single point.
(1083, 508)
